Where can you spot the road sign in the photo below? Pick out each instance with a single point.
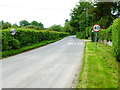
(96, 28)
(13, 31)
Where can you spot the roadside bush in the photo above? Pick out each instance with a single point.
(88, 32)
(84, 34)
(105, 34)
(102, 34)
(27, 37)
(109, 30)
(56, 28)
(33, 27)
(116, 37)
(8, 42)
(14, 43)
(80, 35)
(68, 28)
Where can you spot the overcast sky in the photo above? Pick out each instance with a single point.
(48, 12)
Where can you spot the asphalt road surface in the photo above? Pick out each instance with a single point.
(52, 66)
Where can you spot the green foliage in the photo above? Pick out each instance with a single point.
(85, 14)
(41, 25)
(8, 41)
(15, 26)
(105, 22)
(56, 28)
(80, 35)
(35, 23)
(82, 21)
(116, 37)
(81, 16)
(15, 44)
(24, 23)
(27, 37)
(88, 31)
(102, 9)
(68, 28)
(6, 25)
(112, 34)
(84, 34)
(33, 27)
(105, 34)
(102, 34)
(26, 48)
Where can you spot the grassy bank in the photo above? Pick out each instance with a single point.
(26, 48)
(100, 68)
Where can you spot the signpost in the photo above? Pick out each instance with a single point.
(96, 29)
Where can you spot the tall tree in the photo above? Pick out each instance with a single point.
(79, 15)
(35, 23)
(15, 25)
(86, 14)
(102, 9)
(103, 14)
(68, 28)
(41, 25)
(24, 23)
(56, 28)
(6, 25)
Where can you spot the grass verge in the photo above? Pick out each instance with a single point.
(26, 48)
(99, 69)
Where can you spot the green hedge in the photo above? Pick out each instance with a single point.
(112, 34)
(26, 37)
(116, 37)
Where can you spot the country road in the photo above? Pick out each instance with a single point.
(52, 66)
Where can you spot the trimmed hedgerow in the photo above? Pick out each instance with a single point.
(116, 37)
(27, 37)
(112, 34)
(26, 48)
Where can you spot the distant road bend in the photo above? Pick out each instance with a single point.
(51, 66)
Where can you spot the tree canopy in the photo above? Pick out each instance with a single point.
(24, 23)
(56, 28)
(87, 14)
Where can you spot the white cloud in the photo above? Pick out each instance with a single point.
(48, 12)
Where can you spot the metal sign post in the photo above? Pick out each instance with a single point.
(96, 36)
(96, 29)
